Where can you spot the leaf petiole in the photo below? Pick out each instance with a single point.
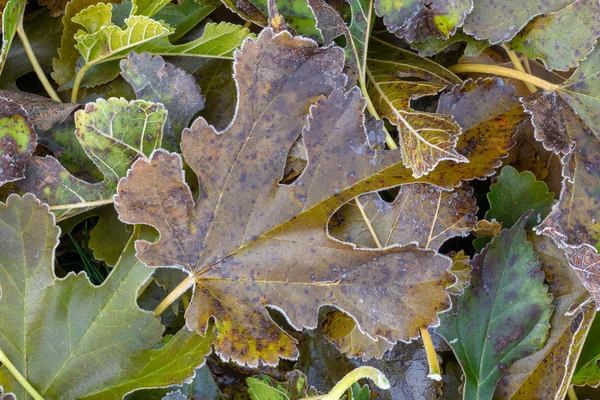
(507, 72)
(518, 66)
(354, 376)
(187, 283)
(36, 65)
(20, 378)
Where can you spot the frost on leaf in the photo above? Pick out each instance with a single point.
(113, 134)
(425, 138)
(415, 20)
(253, 243)
(97, 333)
(18, 140)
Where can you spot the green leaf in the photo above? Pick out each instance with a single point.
(11, 19)
(514, 194)
(432, 45)
(588, 370)
(295, 388)
(113, 133)
(147, 7)
(415, 20)
(502, 316)
(425, 138)
(54, 330)
(184, 16)
(500, 22)
(563, 38)
(155, 80)
(18, 140)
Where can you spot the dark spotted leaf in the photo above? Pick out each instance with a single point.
(561, 39)
(421, 213)
(18, 140)
(502, 316)
(243, 238)
(500, 20)
(42, 112)
(415, 20)
(113, 134)
(155, 80)
(546, 373)
(96, 333)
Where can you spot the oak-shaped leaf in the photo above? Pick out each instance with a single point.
(500, 22)
(546, 373)
(18, 140)
(54, 330)
(502, 316)
(155, 80)
(425, 139)
(415, 20)
(246, 237)
(421, 213)
(563, 38)
(113, 134)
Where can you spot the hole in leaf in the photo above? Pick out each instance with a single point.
(295, 163)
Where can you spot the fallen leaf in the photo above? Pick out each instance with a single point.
(18, 140)
(242, 238)
(546, 373)
(43, 112)
(588, 372)
(155, 80)
(513, 194)
(415, 20)
(500, 22)
(295, 388)
(113, 133)
(12, 13)
(561, 39)
(421, 213)
(36, 309)
(425, 139)
(431, 45)
(461, 268)
(502, 316)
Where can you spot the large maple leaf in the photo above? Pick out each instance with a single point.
(250, 242)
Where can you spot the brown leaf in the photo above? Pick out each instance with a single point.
(247, 237)
(421, 213)
(43, 112)
(18, 140)
(485, 228)
(461, 268)
(546, 373)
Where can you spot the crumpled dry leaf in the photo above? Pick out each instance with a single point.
(244, 236)
(43, 112)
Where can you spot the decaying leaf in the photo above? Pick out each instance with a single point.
(243, 238)
(502, 316)
(421, 213)
(415, 20)
(42, 112)
(54, 330)
(499, 21)
(513, 194)
(155, 80)
(461, 268)
(563, 38)
(425, 139)
(546, 373)
(113, 133)
(18, 140)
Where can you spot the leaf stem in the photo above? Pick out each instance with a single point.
(187, 283)
(77, 83)
(518, 66)
(571, 395)
(367, 221)
(20, 378)
(434, 366)
(36, 65)
(354, 376)
(83, 204)
(507, 72)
